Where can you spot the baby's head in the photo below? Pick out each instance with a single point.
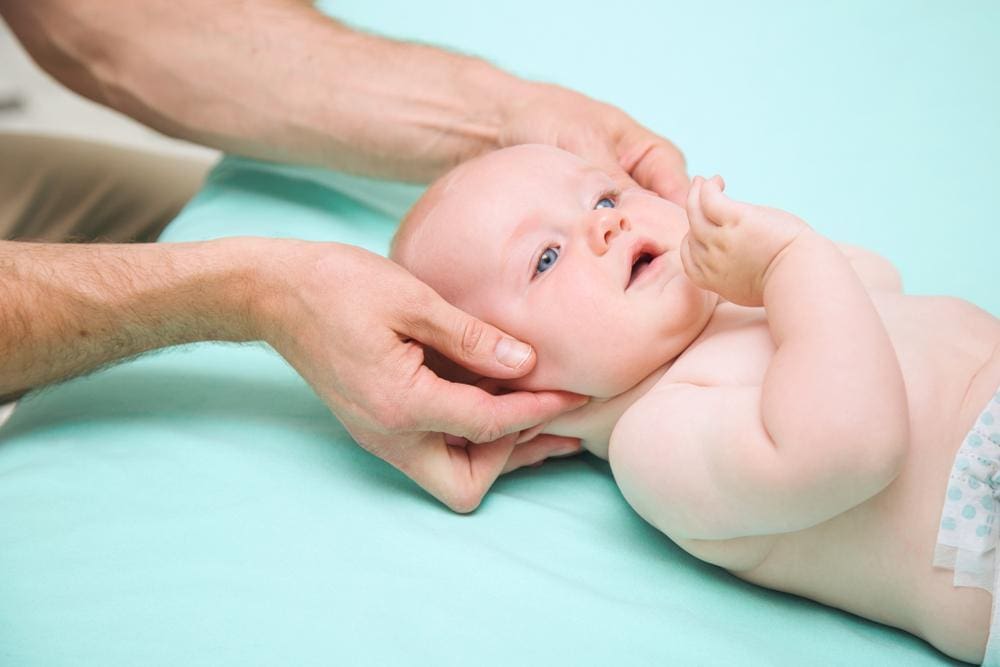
(541, 244)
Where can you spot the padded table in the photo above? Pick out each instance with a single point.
(201, 506)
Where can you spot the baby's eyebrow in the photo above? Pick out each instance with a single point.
(520, 231)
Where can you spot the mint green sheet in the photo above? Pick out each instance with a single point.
(200, 506)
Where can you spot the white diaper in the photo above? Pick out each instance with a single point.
(967, 535)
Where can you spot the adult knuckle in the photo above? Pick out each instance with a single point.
(392, 416)
(464, 500)
(488, 428)
(479, 434)
(413, 308)
(473, 334)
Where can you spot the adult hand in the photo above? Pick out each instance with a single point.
(355, 324)
(599, 133)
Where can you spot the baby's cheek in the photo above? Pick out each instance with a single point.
(555, 370)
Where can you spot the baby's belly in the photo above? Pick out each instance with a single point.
(875, 560)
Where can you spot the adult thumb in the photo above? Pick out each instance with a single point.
(470, 342)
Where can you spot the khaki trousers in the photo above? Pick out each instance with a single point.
(60, 189)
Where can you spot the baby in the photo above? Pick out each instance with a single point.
(768, 399)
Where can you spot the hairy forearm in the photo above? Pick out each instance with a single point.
(69, 309)
(271, 79)
(833, 399)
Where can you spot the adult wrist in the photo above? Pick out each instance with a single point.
(251, 301)
(406, 111)
(495, 95)
(190, 292)
(281, 274)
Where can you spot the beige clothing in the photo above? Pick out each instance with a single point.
(61, 189)
(58, 189)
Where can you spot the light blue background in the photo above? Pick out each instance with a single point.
(200, 506)
(879, 123)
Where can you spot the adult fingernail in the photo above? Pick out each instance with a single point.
(512, 353)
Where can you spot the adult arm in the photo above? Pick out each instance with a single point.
(71, 308)
(278, 80)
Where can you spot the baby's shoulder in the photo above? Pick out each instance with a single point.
(734, 349)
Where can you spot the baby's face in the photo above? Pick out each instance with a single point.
(541, 244)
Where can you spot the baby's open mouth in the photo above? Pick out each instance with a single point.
(638, 266)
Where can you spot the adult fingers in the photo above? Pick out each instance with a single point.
(446, 407)
(538, 449)
(448, 369)
(468, 341)
(658, 165)
(607, 161)
(458, 476)
(529, 434)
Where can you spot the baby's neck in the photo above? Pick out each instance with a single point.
(594, 422)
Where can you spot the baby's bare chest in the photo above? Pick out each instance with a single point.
(940, 343)
(877, 554)
(736, 348)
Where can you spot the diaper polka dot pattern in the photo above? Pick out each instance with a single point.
(967, 535)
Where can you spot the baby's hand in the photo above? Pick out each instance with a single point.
(732, 245)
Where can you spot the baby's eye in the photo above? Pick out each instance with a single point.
(547, 259)
(605, 202)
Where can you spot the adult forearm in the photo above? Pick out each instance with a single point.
(833, 399)
(271, 79)
(68, 309)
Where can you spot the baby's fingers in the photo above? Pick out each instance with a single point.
(717, 207)
(696, 218)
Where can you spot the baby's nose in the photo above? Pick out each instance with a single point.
(609, 223)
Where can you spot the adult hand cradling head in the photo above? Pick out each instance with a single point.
(376, 373)
(354, 324)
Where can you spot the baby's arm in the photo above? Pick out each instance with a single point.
(827, 429)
